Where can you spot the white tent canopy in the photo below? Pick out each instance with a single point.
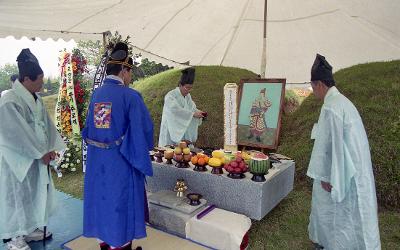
(223, 32)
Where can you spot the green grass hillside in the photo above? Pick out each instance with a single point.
(207, 93)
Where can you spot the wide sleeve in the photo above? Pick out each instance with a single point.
(178, 118)
(18, 143)
(328, 161)
(138, 139)
(56, 143)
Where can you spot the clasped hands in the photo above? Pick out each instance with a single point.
(199, 114)
(326, 186)
(47, 158)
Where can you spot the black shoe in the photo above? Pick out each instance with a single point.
(104, 246)
(318, 246)
(258, 139)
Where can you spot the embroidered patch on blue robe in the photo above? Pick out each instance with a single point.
(102, 114)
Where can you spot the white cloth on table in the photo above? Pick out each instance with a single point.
(219, 229)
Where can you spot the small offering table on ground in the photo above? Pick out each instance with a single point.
(244, 196)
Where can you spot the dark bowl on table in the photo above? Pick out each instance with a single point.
(194, 199)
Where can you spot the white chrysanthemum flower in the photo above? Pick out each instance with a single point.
(69, 154)
(66, 149)
(78, 161)
(76, 149)
(72, 164)
(66, 159)
(73, 169)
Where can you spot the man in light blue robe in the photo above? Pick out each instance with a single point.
(119, 133)
(28, 139)
(180, 117)
(344, 207)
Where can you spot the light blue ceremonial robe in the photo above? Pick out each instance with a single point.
(114, 189)
(26, 189)
(345, 218)
(177, 122)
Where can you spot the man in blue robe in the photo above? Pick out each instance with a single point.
(119, 133)
(343, 209)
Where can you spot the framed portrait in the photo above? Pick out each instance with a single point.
(260, 108)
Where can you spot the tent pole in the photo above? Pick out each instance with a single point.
(264, 49)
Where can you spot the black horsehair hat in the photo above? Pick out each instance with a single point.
(187, 76)
(321, 70)
(28, 65)
(120, 55)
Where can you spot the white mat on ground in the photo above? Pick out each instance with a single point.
(156, 240)
(219, 229)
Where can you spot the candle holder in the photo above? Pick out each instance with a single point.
(180, 187)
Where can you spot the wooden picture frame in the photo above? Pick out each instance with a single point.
(259, 114)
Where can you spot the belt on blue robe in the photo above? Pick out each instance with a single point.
(104, 145)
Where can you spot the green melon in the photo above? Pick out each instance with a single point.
(259, 164)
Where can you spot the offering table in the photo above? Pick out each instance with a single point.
(243, 196)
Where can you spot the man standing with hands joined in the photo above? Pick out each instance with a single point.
(28, 141)
(344, 207)
(180, 117)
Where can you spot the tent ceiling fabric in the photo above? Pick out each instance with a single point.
(223, 32)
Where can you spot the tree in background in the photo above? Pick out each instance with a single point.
(93, 51)
(6, 72)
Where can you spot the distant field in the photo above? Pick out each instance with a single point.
(50, 103)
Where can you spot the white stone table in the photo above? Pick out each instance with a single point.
(244, 196)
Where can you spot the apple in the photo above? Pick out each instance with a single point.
(178, 157)
(239, 159)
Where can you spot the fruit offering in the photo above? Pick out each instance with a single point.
(236, 168)
(182, 155)
(200, 161)
(168, 155)
(259, 165)
(245, 156)
(216, 161)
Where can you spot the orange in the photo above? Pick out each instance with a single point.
(201, 161)
(206, 158)
(194, 160)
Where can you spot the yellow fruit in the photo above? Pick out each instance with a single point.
(214, 162)
(245, 156)
(178, 150)
(186, 151)
(218, 153)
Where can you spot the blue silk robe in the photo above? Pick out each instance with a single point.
(114, 191)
